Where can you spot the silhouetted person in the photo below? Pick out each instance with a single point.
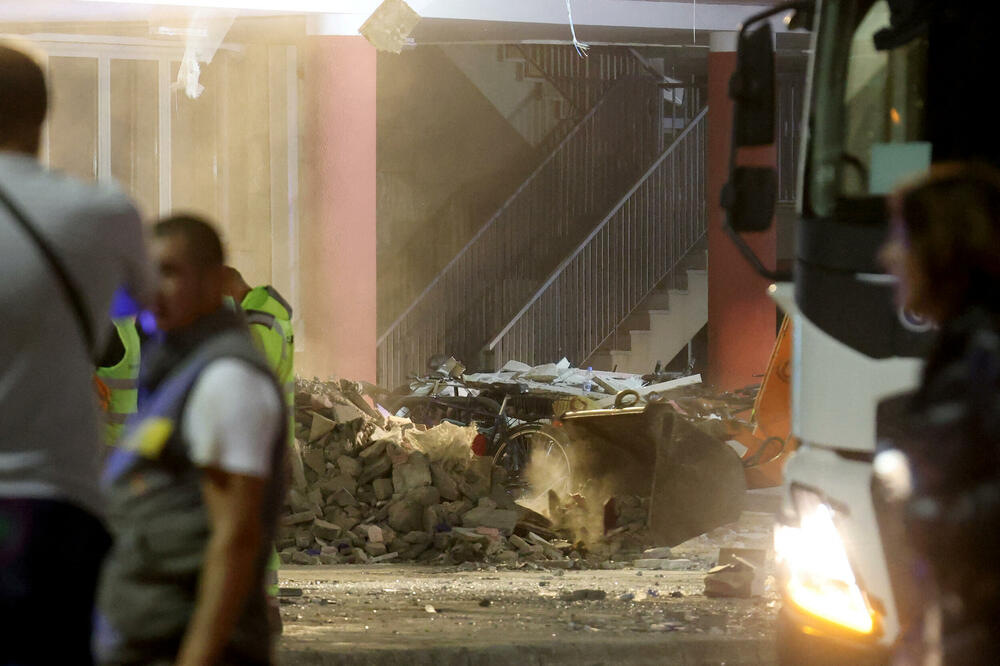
(945, 249)
(65, 246)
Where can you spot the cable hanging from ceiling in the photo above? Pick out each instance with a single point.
(581, 47)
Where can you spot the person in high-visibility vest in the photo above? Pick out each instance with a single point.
(269, 317)
(119, 372)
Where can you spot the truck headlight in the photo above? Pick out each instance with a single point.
(817, 574)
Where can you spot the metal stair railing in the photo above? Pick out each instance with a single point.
(504, 263)
(638, 244)
(581, 81)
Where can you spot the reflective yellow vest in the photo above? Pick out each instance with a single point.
(122, 380)
(269, 317)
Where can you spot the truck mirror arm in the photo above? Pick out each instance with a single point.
(753, 259)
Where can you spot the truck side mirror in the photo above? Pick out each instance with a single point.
(751, 194)
(752, 89)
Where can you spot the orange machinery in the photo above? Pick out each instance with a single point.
(768, 436)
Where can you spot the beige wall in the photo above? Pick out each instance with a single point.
(231, 155)
(244, 155)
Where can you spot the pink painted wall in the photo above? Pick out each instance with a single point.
(338, 235)
(741, 316)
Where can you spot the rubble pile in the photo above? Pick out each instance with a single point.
(368, 487)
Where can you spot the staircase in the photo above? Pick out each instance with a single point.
(661, 326)
(652, 234)
(531, 104)
(557, 215)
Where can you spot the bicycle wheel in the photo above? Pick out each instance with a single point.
(535, 458)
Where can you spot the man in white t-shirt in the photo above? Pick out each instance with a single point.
(197, 479)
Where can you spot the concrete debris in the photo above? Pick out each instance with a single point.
(445, 483)
(730, 580)
(350, 466)
(314, 460)
(382, 489)
(373, 488)
(412, 474)
(584, 595)
(753, 558)
(370, 488)
(321, 529)
(296, 518)
(321, 426)
(405, 516)
(485, 516)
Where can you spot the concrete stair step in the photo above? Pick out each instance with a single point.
(637, 321)
(664, 323)
(658, 300)
(668, 330)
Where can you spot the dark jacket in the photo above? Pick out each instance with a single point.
(157, 514)
(953, 516)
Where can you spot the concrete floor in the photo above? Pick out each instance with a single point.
(478, 614)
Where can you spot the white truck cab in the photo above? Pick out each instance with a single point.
(894, 86)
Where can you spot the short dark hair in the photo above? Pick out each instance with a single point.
(952, 222)
(203, 240)
(24, 98)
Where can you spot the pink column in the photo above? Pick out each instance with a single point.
(741, 317)
(338, 235)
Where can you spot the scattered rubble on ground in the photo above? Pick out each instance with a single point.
(369, 610)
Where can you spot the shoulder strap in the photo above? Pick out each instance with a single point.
(273, 293)
(260, 318)
(71, 293)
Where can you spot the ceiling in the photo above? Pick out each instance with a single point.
(618, 13)
(636, 22)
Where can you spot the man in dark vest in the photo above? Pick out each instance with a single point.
(195, 486)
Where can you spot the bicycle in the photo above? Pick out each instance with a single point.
(532, 451)
(534, 455)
